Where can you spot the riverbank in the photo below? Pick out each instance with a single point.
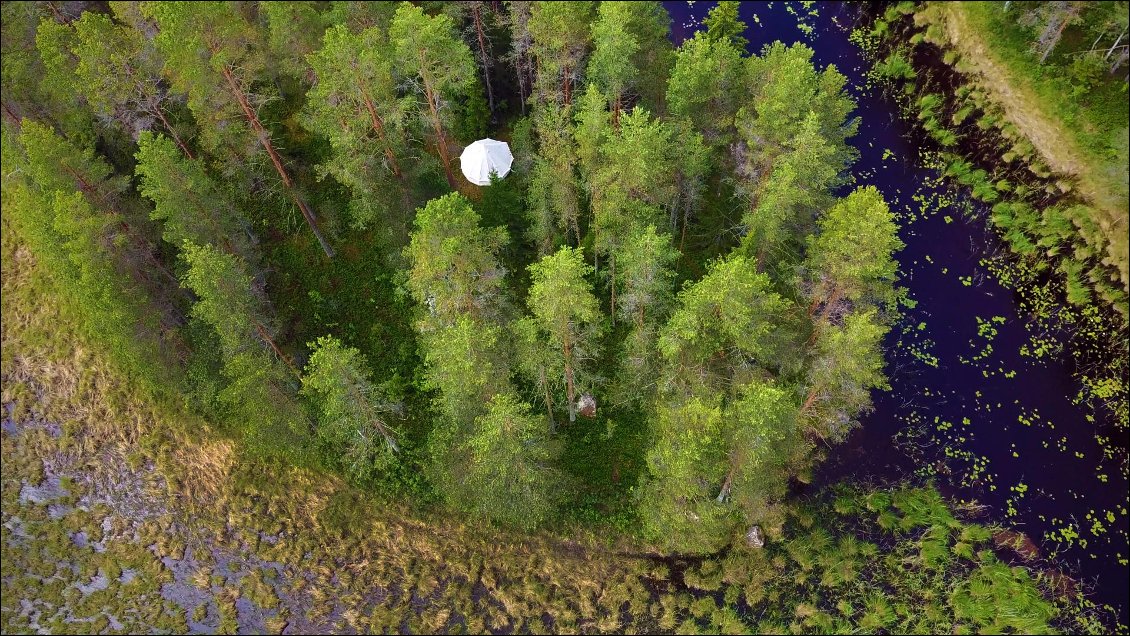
(1076, 133)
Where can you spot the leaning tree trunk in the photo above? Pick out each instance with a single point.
(437, 128)
(570, 389)
(265, 140)
(484, 57)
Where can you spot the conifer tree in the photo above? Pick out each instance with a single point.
(560, 41)
(851, 259)
(554, 197)
(454, 262)
(722, 25)
(677, 504)
(55, 41)
(723, 322)
(355, 104)
(707, 86)
(294, 31)
(566, 315)
(119, 73)
(441, 67)
(187, 200)
(353, 413)
(847, 364)
(215, 55)
(259, 376)
(646, 282)
(512, 471)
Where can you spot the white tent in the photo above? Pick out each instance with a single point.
(484, 157)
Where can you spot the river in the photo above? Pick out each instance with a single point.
(988, 423)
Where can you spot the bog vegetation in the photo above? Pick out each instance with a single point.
(654, 324)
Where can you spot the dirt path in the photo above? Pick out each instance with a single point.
(1057, 148)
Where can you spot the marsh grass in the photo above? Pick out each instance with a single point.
(877, 560)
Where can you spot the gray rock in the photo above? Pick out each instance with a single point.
(754, 538)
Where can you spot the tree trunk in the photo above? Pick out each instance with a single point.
(809, 401)
(566, 85)
(379, 127)
(476, 14)
(612, 278)
(265, 141)
(570, 390)
(1115, 45)
(548, 400)
(266, 336)
(437, 128)
(1050, 40)
(725, 492)
(160, 115)
(1118, 61)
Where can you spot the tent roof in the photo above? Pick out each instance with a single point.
(483, 157)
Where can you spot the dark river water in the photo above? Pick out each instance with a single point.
(989, 423)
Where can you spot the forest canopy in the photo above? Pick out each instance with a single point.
(673, 302)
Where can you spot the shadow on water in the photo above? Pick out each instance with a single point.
(987, 423)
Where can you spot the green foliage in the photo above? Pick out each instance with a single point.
(852, 257)
(258, 390)
(186, 200)
(355, 104)
(560, 37)
(455, 269)
(294, 30)
(512, 469)
(687, 461)
(722, 25)
(352, 412)
(707, 87)
(119, 73)
(61, 204)
(724, 320)
(213, 55)
(847, 364)
(566, 319)
(428, 49)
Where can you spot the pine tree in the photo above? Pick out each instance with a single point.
(441, 65)
(847, 364)
(677, 504)
(611, 66)
(454, 262)
(646, 282)
(631, 53)
(851, 260)
(723, 322)
(352, 412)
(782, 206)
(707, 86)
(259, 376)
(214, 55)
(722, 25)
(119, 73)
(60, 201)
(560, 40)
(554, 194)
(567, 315)
(294, 31)
(355, 104)
(187, 200)
(512, 473)
(55, 41)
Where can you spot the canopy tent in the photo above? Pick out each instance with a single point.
(484, 157)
